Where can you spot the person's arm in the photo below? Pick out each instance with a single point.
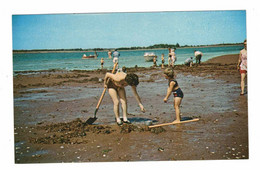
(108, 76)
(169, 91)
(239, 61)
(138, 98)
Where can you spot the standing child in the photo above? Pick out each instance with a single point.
(162, 60)
(154, 61)
(173, 87)
(102, 62)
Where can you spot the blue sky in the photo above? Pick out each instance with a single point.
(113, 30)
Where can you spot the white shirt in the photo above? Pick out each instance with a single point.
(197, 53)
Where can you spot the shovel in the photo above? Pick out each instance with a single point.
(91, 120)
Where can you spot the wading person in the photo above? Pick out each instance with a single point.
(242, 66)
(102, 62)
(116, 55)
(172, 56)
(154, 61)
(162, 60)
(174, 88)
(116, 89)
(169, 58)
(109, 53)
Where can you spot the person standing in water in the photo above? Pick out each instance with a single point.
(154, 61)
(162, 60)
(116, 55)
(109, 53)
(102, 62)
(172, 57)
(174, 88)
(242, 66)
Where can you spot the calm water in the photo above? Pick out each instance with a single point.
(73, 61)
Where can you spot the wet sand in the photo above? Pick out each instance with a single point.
(50, 108)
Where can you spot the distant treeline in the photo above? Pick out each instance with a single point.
(155, 46)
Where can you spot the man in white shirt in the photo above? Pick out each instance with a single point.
(198, 56)
(116, 55)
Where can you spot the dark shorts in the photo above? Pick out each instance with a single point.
(198, 57)
(178, 93)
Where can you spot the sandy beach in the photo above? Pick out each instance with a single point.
(50, 108)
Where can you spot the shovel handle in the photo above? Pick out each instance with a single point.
(104, 91)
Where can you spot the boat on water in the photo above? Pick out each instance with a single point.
(148, 56)
(89, 56)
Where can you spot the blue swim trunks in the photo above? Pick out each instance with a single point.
(178, 93)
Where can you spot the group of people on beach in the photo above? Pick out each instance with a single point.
(172, 58)
(116, 83)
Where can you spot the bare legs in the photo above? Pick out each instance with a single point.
(177, 103)
(122, 98)
(243, 76)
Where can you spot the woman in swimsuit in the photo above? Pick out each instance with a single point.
(173, 87)
(242, 66)
(116, 88)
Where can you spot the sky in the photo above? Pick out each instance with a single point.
(114, 30)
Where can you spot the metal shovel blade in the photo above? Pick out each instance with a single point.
(90, 121)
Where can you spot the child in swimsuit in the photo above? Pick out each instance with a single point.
(177, 92)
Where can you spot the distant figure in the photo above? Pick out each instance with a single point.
(169, 57)
(173, 58)
(242, 66)
(154, 61)
(102, 62)
(162, 60)
(109, 53)
(189, 61)
(116, 55)
(198, 56)
(96, 55)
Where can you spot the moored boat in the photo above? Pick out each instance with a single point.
(89, 56)
(148, 56)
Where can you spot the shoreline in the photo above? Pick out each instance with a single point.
(104, 70)
(105, 50)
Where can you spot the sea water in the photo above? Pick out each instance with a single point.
(128, 58)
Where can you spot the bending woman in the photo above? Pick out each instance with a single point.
(116, 88)
(177, 93)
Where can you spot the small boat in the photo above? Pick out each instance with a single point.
(149, 56)
(90, 56)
